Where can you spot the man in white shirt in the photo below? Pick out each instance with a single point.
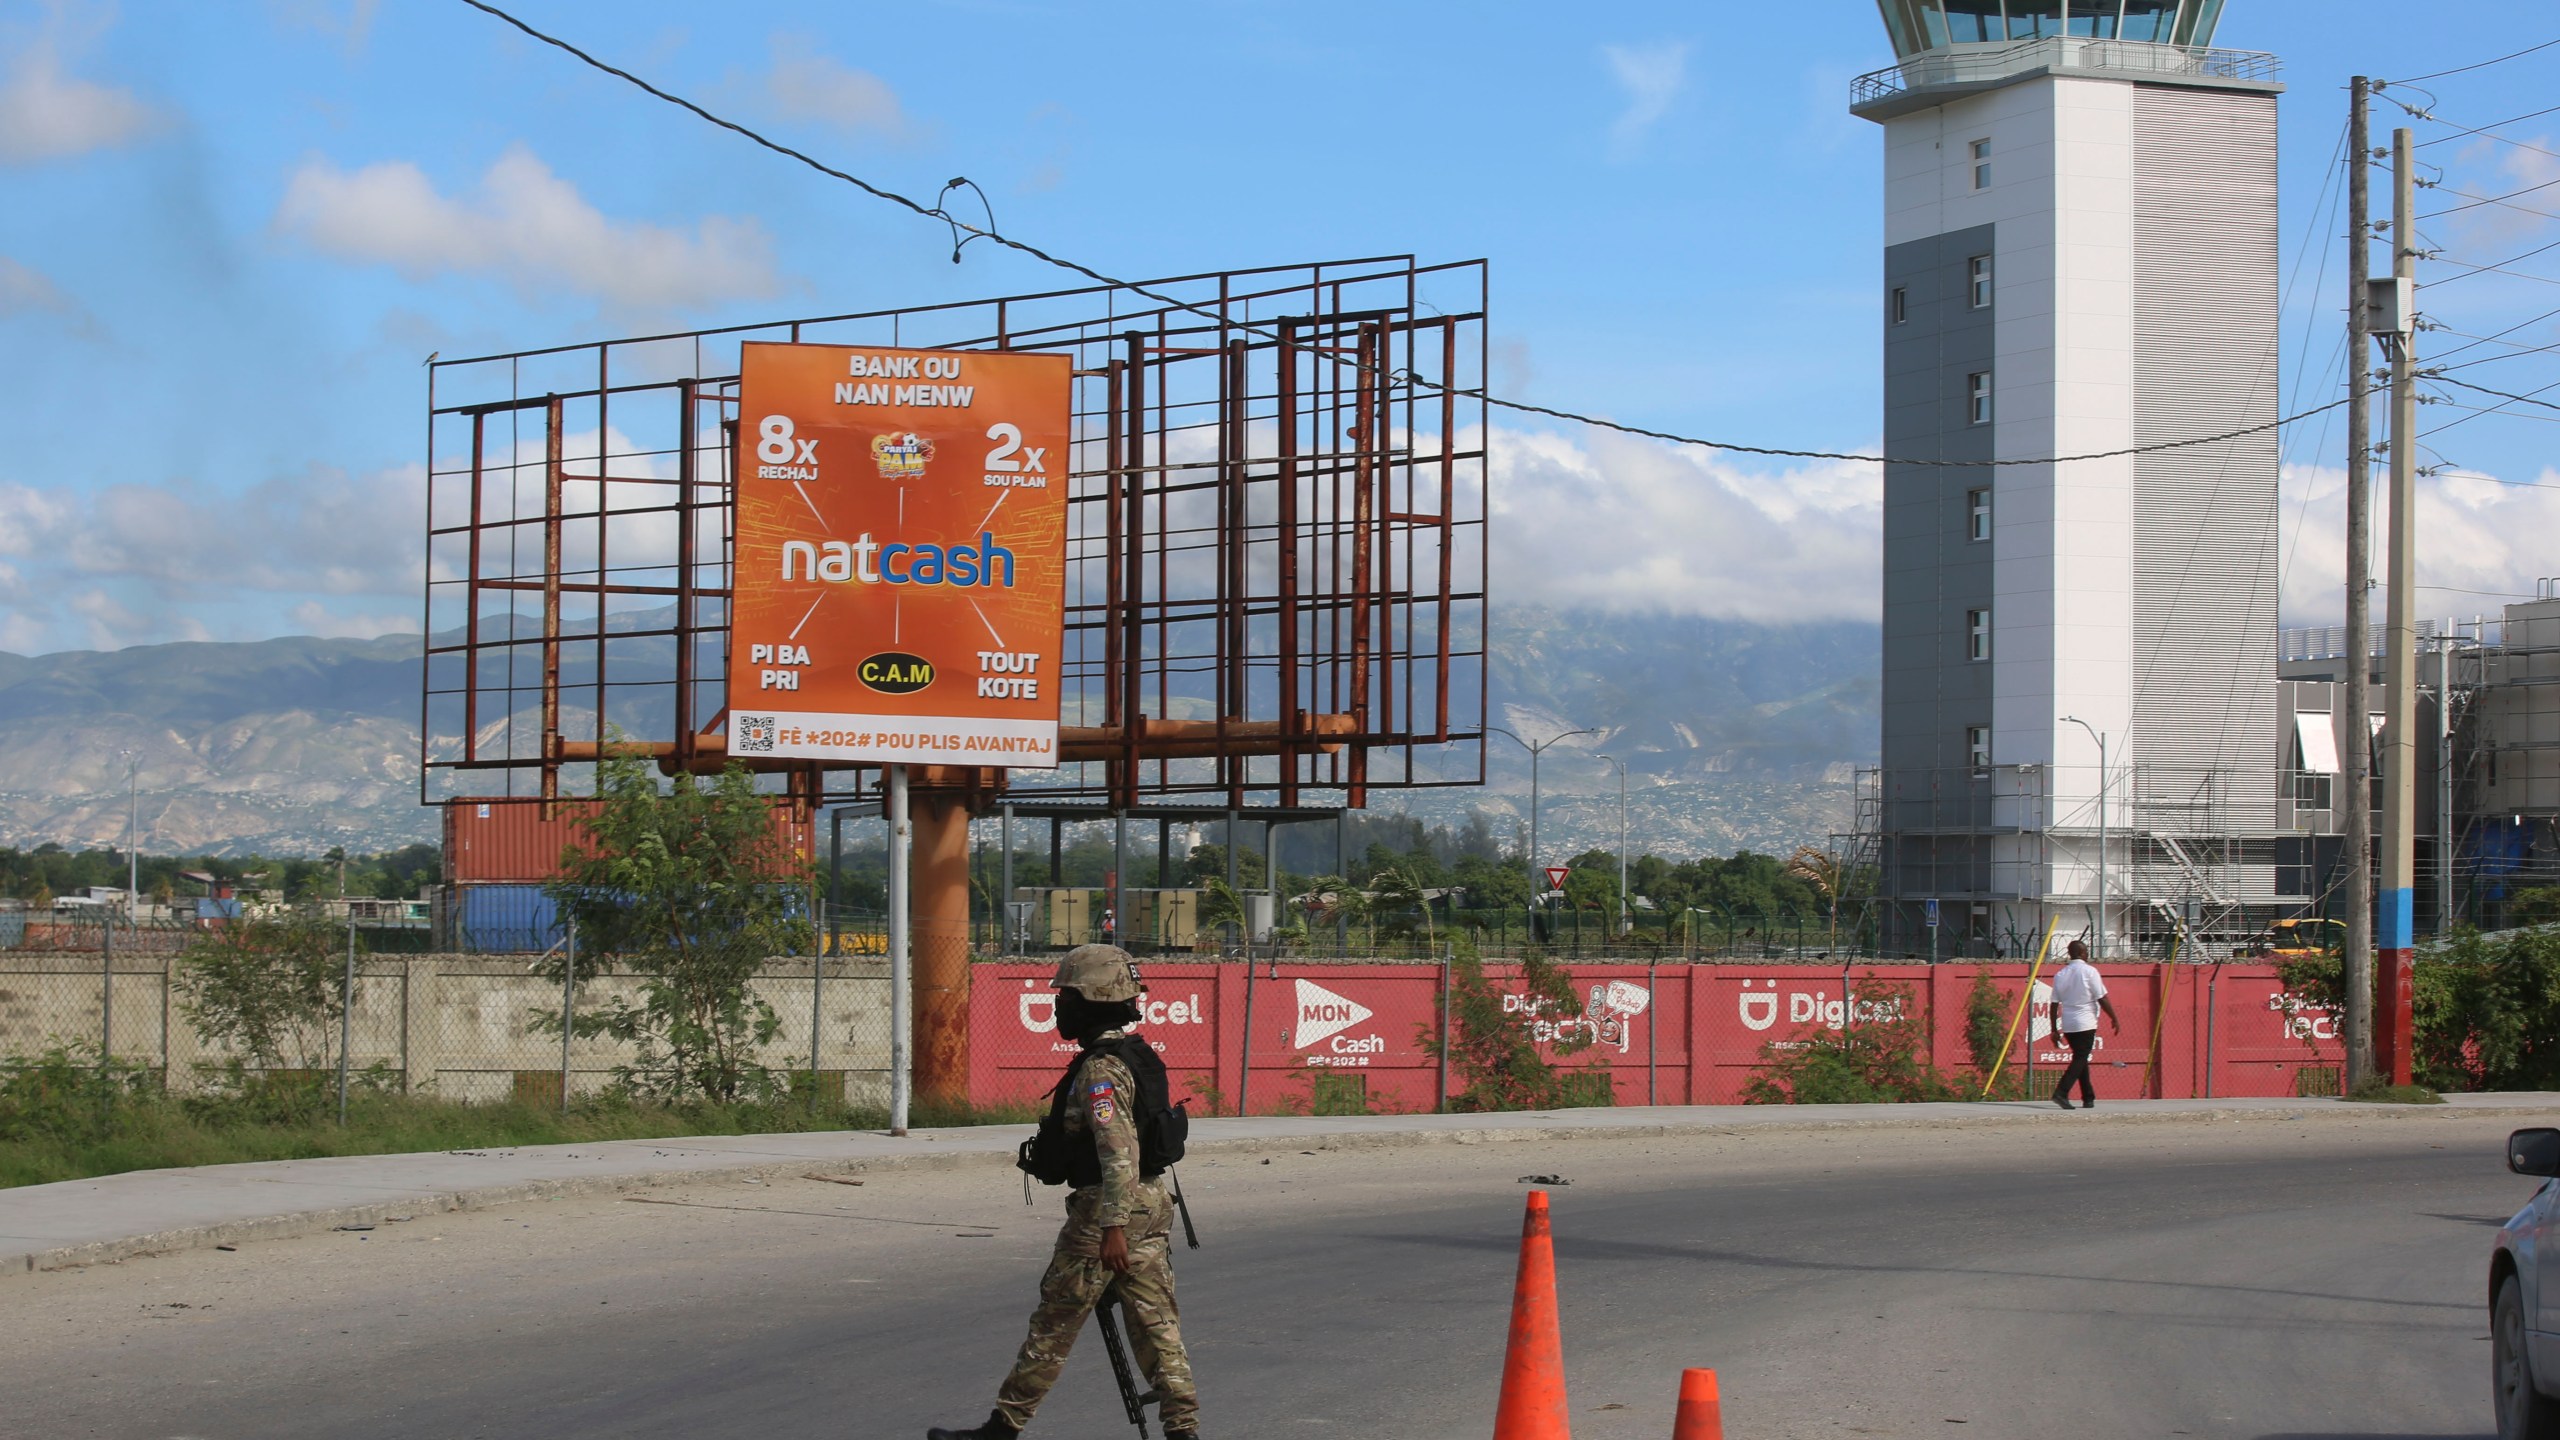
(2079, 997)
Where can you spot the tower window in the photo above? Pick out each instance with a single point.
(1977, 746)
(1977, 634)
(1978, 280)
(1981, 151)
(1978, 397)
(1898, 305)
(1977, 504)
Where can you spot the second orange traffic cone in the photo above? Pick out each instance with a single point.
(1533, 1403)
(1701, 1415)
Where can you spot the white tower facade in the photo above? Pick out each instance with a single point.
(2080, 260)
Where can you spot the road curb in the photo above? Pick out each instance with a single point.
(1593, 1125)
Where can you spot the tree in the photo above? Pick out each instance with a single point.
(1824, 872)
(268, 988)
(693, 889)
(1492, 1048)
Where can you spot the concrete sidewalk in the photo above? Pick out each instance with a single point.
(114, 1217)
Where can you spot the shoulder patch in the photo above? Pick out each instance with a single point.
(1101, 1101)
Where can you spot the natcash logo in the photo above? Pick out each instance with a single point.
(867, 561)
(894, 672)
(901, 457)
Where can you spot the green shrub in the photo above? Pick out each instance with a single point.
(1876, 1059)
(1494, 1046)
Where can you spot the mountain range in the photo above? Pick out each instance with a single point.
(1733, 735)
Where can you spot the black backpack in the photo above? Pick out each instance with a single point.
(1053, 1157)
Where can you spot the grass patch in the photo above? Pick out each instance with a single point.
(2375, 1090)
(63, 1119)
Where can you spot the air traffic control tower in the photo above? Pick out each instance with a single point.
(2080, 260)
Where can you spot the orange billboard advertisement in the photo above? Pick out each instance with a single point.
(899, 579)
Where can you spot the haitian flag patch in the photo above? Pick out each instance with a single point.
(1100, 1102)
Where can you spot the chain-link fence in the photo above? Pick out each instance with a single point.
(457, 1026)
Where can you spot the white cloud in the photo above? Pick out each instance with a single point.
(1629, 525)
(1651, 76)
(122, 564)
(48, 115)
(329, 622)
(25, 290)
(2480, 543)
(809, 86)
(529, 226)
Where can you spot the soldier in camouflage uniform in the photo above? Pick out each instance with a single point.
(1119, 1234)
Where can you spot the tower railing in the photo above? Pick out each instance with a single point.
(1982, 64)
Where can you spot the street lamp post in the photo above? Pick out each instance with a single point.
(132, 835)
(1535, 751)
(1626, 916)
(2097, 735)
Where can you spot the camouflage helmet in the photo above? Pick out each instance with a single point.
(1099, 972)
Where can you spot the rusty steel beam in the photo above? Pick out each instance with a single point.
(551, 600)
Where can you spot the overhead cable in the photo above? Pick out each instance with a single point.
(960, 226)
(2476, 65)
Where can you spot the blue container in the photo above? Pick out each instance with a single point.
(504, 919)
(217, 909)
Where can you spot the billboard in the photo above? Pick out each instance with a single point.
(900, 561)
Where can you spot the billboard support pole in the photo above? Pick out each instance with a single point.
(901, 996)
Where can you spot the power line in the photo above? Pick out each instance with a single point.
(2499, 268)
(2483, 129)
(958, 225)
(2476, 200)
(2476, 65)
(2501, 394)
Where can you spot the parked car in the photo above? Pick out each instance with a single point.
(2524, 1298)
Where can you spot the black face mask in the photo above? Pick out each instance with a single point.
(1079, 1018)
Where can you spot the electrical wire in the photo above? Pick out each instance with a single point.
(2501, 394)
(960, 227)
(2476, 200)
(2476, 65)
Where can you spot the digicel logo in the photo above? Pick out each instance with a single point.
(1322, 1014)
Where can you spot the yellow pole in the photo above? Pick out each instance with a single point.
(2026, 997)
(2160, 1022)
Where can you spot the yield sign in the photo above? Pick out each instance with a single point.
(1555, 876)
(1322, 1014)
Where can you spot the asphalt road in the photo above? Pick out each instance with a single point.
(2309, 1278)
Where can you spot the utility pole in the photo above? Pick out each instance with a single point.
(2397, 915)
(902, 1048)
(2356, 847)
(1626, 914)
(2444, 779)
(1532, 860)
(133, 838)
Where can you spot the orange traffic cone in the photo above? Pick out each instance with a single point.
(1701, 1414)
(1533, 1403)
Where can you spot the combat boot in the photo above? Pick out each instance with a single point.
(1182, 1435)
(995, 1429)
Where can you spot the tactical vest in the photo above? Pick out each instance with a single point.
(1054, 1157)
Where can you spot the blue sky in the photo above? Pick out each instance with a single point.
(231, 233)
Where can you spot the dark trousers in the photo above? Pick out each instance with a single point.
(2080, 1042)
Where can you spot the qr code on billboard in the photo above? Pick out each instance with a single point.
(754, 735)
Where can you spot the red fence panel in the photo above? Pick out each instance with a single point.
(1292, 1036)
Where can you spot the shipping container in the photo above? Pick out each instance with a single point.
(502, 919)
(521, 841)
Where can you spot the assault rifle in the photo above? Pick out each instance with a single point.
(1190, 1237)
(1106, 1314)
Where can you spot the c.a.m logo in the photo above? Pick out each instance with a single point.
(894, 672)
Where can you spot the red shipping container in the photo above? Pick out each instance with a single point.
(521, 841)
